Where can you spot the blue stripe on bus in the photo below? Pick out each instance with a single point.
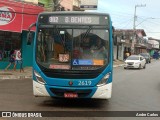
(82, 62)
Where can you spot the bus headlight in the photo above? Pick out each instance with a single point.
(39, 78)
(104, 80)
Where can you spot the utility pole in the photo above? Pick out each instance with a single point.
(134, 27)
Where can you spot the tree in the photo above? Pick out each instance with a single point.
(56, 5)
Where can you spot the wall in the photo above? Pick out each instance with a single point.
(121, 52)
(27, 51)
(76, 3)
(32, 1)
(154, 43)
(115, 52)
(67, 4)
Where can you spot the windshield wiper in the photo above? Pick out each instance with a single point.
(88, 31)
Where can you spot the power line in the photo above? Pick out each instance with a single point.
(129, 23)
(154, 32)
(124, 24)
(150, 20)
(151, 33)
(117, 12)
(149, 25)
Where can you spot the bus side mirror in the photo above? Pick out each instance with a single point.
(29, 38)
(29, 35)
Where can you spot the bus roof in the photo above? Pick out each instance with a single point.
(74, 12)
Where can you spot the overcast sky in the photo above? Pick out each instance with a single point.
(122, 14)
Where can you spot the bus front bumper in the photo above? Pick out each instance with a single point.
(101, 92)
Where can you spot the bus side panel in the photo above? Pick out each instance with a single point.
(39, 89)
(103, 92)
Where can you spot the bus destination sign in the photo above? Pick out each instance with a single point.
(74, 20)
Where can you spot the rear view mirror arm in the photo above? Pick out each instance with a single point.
(32, 25)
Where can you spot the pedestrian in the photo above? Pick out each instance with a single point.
(21, 65)
(18, 59)
(126, 55)
(11, 59)
(156, 55)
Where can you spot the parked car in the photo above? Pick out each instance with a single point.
(135, 61)
(147, 57)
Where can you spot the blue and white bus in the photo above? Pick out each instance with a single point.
(73, 55)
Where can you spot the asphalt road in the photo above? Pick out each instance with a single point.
(133, 90)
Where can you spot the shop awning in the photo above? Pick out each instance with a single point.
(17, 16)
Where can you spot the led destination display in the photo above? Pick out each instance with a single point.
(74, 20)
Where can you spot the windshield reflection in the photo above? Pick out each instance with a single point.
(80, 49)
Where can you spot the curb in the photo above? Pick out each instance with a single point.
(14, 77)
(118, 65)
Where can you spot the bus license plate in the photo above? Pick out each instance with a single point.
(70, 95)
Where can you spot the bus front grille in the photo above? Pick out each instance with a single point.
(72, 75)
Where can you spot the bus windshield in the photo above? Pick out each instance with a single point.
(72, 47)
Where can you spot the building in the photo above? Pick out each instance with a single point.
(15, 18)
(124, 42)
(141, 42)
(66, 5)
(76, 5)
(60, 5)
(154, 44)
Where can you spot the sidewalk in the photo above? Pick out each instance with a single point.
(11, 74)
(118, 63)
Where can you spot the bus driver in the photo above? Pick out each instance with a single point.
(98, 50)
